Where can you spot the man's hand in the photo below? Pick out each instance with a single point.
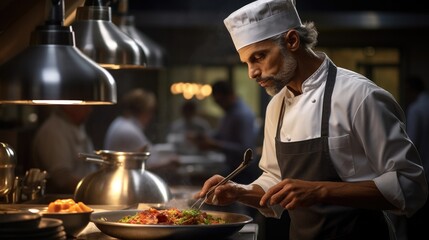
(223, 195)
(231, 192)
(292, 193)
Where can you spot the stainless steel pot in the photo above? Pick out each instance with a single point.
(7, 169)
(122, 180)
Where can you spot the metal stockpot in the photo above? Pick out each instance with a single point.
(7, 169)
(121, 180)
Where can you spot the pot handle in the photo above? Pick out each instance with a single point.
(93, 158)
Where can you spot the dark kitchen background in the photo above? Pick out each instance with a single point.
(385, 40)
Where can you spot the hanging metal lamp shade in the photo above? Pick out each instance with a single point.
(102, 41)
(53, 71)
(154, 53)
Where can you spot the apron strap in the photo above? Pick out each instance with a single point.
(326, 110)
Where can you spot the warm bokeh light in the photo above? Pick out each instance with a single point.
(190, 90)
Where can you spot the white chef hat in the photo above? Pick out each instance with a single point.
(261, 20)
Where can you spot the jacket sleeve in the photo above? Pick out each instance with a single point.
(379, 123)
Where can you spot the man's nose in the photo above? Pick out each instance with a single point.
(254, 72)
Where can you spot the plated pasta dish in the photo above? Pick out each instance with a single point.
(172, 216)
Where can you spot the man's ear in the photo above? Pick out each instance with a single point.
(292, 40)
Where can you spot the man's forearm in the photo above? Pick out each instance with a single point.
(250, 195)
(359, 195)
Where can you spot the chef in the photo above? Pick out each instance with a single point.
(335, 154)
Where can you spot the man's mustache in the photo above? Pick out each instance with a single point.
(265, 79)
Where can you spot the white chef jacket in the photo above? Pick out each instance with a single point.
(56, 147)
(127, 134)
(367, 138)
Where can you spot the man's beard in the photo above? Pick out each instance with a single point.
(283, 77)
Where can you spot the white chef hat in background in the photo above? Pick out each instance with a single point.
(261, 20)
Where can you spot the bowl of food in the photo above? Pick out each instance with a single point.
(75, 215)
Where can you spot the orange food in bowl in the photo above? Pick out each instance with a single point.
(68, 205)
(75, 216)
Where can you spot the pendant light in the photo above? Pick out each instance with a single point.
(101, 40)
(155, 55)
(53, 71)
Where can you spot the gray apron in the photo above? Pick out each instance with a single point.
(309, 160)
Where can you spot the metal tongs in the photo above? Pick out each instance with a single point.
(247, 157)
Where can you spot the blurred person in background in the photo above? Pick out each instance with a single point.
(414, 85)
(237, 130)
(126, 133)
(56, 147)
(336, 155)
(187, 126)
(418, 130)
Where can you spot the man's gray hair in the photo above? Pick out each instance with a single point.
(307, 33)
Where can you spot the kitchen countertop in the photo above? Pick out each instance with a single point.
(181, 200)
(91, 232)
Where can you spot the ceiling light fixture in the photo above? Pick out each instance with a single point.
(155, 54)
(101, 40)
(53, 71)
